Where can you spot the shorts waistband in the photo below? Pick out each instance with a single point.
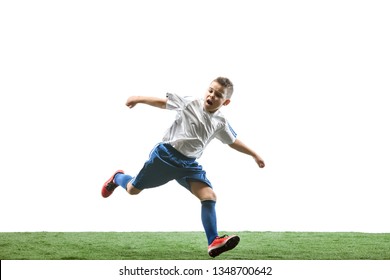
(176, 153)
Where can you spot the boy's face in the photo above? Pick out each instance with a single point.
(215, 97)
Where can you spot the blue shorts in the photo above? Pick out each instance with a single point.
(165, 164)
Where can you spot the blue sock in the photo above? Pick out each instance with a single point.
(122, 180)
(209, 220)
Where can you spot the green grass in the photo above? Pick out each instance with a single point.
(192, 246)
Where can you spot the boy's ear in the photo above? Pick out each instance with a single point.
(227, 101)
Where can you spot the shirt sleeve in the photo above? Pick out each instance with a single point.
(176, 102)
(227, 135)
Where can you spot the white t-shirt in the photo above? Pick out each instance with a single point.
(194, 127)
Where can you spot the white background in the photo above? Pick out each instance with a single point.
(311, 97)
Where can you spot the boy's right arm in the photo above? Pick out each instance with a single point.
(149, 100)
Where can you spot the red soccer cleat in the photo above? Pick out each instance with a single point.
(223, 244)
(110, 186)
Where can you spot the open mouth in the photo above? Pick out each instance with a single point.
(209, 102)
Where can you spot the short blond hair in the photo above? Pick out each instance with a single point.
(227, 84)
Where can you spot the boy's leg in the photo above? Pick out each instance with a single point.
(217, 245)
(132, 190)
(208, 199)
(119, 179)
(124, 181)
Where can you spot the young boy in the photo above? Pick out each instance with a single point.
(198, 121)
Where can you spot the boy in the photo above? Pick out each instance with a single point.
(198, 121)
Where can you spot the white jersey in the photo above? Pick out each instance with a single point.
(194, 127)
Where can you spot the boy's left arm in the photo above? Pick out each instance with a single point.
(241, 147)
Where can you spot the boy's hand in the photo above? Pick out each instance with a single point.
(259, 161)
(132, 101)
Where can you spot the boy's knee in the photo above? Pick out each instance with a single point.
(214, 196)
(203, 191)
(132, 190)
(208, 194)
